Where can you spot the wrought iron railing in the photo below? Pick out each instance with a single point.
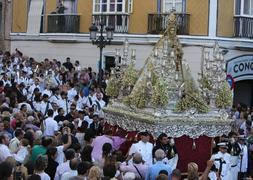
(63, 23)
(120, 22)
(157, 23)
(243, 27)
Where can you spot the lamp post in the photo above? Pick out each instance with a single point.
(101, 41)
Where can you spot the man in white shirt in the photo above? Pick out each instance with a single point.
(64, 103)
(45, 105)
(222, 162)
(99, 104)
(242, 164)
(50, 125)
(15, 142)
(64, 167)
(35, 85)
(47, 90)
(73, 170)
(56, 95)
(4, 150)
(72, 92)
(144, 147)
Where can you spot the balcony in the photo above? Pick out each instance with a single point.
(63, 23)
(120, 22)
(157, 23)
(243, 27)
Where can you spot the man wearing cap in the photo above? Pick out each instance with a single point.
(143, 147)
(222, 162)
(243, 157)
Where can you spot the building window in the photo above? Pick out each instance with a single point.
(248, 7)
(69, 5)
(244, 7)
(168, 5)
(108, 6)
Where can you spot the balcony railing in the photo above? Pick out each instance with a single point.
(63, 23)
(243, 27)
(120, 22)
(157, 23)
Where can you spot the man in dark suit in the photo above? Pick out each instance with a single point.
(96, 125)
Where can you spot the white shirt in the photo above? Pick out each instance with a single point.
(64, 105)
(47, 92)
(36, 105)
(14, 144)
(44, 176)
(54, 98)
(87, 119)
(6, 82)
(22, 153)
(226, 167)
(244, 127)
(31, 89)
(29, 108)
(69, 174)
(145, 149)
(71, 94)
(60, 154)
(43, 107)
(4, 152)
(61, 169)
(51, 126)
(244, 153)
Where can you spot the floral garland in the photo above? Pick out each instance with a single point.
(129, 77)
(113, 87)
(160, 93)
(138, 98)
(191, 99)
(205, 82)
(224, 97)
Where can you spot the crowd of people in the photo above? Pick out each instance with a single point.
(52, 127)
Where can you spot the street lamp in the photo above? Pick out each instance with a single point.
(101, 41)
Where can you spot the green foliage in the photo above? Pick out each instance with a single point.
(113, 87)
(206, 83)
(224, 97)
(160, 93)
(130, 76)
(139, 96)
(191, 99)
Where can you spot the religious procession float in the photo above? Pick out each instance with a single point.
(163, 97)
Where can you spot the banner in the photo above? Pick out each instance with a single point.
(241, 67)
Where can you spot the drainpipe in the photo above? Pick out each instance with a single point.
(159, 7)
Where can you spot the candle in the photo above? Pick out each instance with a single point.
(117, 52)
(164, 62)
(149, 74)
(206, 55)
(172, 54)
(133, 53)
(221, 57)
(207, 65)
(165, 44)
(176, 77)
(156, 52)
(199, 76)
